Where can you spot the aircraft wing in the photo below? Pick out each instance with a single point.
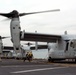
(8, 48)
(39, 37)
(39, 47)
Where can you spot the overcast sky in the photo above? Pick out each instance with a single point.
(52, 22)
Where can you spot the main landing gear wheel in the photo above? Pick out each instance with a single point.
(75, 60)
(50, 59)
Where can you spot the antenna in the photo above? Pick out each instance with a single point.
(65, 32)
(3, 37)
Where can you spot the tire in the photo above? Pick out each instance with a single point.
(75, 60)
(50, 59)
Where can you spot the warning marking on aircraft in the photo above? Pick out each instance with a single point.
(36, 70)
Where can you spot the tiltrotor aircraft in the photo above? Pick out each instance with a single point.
(64, 45)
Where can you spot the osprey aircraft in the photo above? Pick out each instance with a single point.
(64, 46)
(15, 28)
(1, 45)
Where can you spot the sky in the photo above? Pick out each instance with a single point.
(48, 23)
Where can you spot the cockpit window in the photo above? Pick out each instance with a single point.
(73, 44)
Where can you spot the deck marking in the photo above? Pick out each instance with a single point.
(23, 66)
(35, 70)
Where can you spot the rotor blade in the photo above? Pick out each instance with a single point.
(6, 19)
(4, 37)
(22, 14)
(8, 15)
(14, 13)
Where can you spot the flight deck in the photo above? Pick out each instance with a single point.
(36, 67)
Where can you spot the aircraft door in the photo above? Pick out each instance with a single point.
(66, 51)
(73, 47)
(70, 50)
(67, 45)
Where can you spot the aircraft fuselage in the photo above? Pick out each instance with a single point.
(65, 49)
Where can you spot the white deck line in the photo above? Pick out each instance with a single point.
(36, 70)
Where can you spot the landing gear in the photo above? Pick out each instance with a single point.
(50, 59)
(28, 57)
(24, 59)
(75, 60)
